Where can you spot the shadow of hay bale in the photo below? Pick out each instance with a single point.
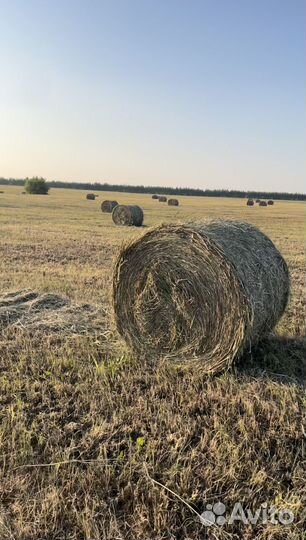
(276, 357)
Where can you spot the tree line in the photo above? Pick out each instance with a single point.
(95, 186)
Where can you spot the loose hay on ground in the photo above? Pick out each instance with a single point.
(200, 293)
(49, 314)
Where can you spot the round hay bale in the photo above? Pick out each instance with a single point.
(108, 206)
(258, 200)
(127, 215)
(162, 198)
(90, 196)
(270, 203)
(199, 294)
(155, 196)
(250, 202)
(173, 202)
(263, 203)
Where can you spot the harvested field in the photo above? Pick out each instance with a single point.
(97, 444)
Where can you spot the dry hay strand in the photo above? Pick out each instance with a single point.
(263, 203)
(155, 196)
(270, 203)
(250, 202)
(48, 314)
(173, 202)
(162, 199)
(108, 206)
(198, 294)
(128, 215)
(90, 196)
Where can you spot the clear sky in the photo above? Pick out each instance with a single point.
(199, 93)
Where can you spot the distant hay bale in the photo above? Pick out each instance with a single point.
(90, 196)
(162, 198)
(1, 192)
(270, 203)
(155, 196)
(258, 200)
(108, 206)
(199, 294)
(173, 202)
(250, 202)
(263, 203)
(127, 215)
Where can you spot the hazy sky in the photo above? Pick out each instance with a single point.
(200, 93)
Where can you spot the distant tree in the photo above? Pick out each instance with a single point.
(36, 186)
(90, 186)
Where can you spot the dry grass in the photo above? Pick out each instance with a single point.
(85, 427)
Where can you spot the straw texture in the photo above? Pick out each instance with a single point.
(199, 293)
(127, 215)
(108, 206)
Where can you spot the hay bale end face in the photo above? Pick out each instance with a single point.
(162, 198)
(263, 203)
(270, 203)
(128, 215)
(250, 202)
(90, 196)
(173, 202)
(108, 206)
(155, 197)
(199, 294)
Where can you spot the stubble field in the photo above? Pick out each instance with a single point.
(91, 440)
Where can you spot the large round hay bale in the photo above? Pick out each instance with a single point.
(258, 200)
(250, 202)
(263, 203)
(200, 293)
(127, 215)
(162, 198)
(90, 196)
(155, 196)
(270, 203)
(173, 202)
(108, 206)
